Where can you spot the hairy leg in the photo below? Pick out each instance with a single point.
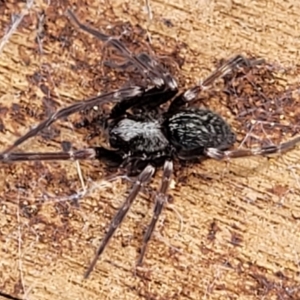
(272, 149)
(144, 177)
(147, 66)
(109, 156)
(192, 93)
(160, 200)
(115, 96)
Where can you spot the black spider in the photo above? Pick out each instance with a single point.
(148, 138)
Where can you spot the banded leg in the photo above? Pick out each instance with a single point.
(152, 98)
(192, 93)
(109, 156)
(160, 200)
(144, 177)
(272, 149)
(147, 66)
(113, 97)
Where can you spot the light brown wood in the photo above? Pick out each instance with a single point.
(254, 202)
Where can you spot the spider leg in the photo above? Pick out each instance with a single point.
(220, 72)
(223, 70)
(150, 63)
(160, 200)
(116, 96)
(266, 150)
(152, 70)
(142, 179)
(153, 97)
(127, 64)
(122, 66)
(109, 156)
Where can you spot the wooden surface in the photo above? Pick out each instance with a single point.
(232, 231)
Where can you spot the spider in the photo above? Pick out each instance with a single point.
(143, 137)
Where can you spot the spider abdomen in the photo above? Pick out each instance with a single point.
(198, 129)
(138, 136)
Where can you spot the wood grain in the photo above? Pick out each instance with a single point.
(232, 231)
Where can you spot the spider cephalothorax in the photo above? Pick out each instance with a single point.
(143, 137)
(185, 134)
